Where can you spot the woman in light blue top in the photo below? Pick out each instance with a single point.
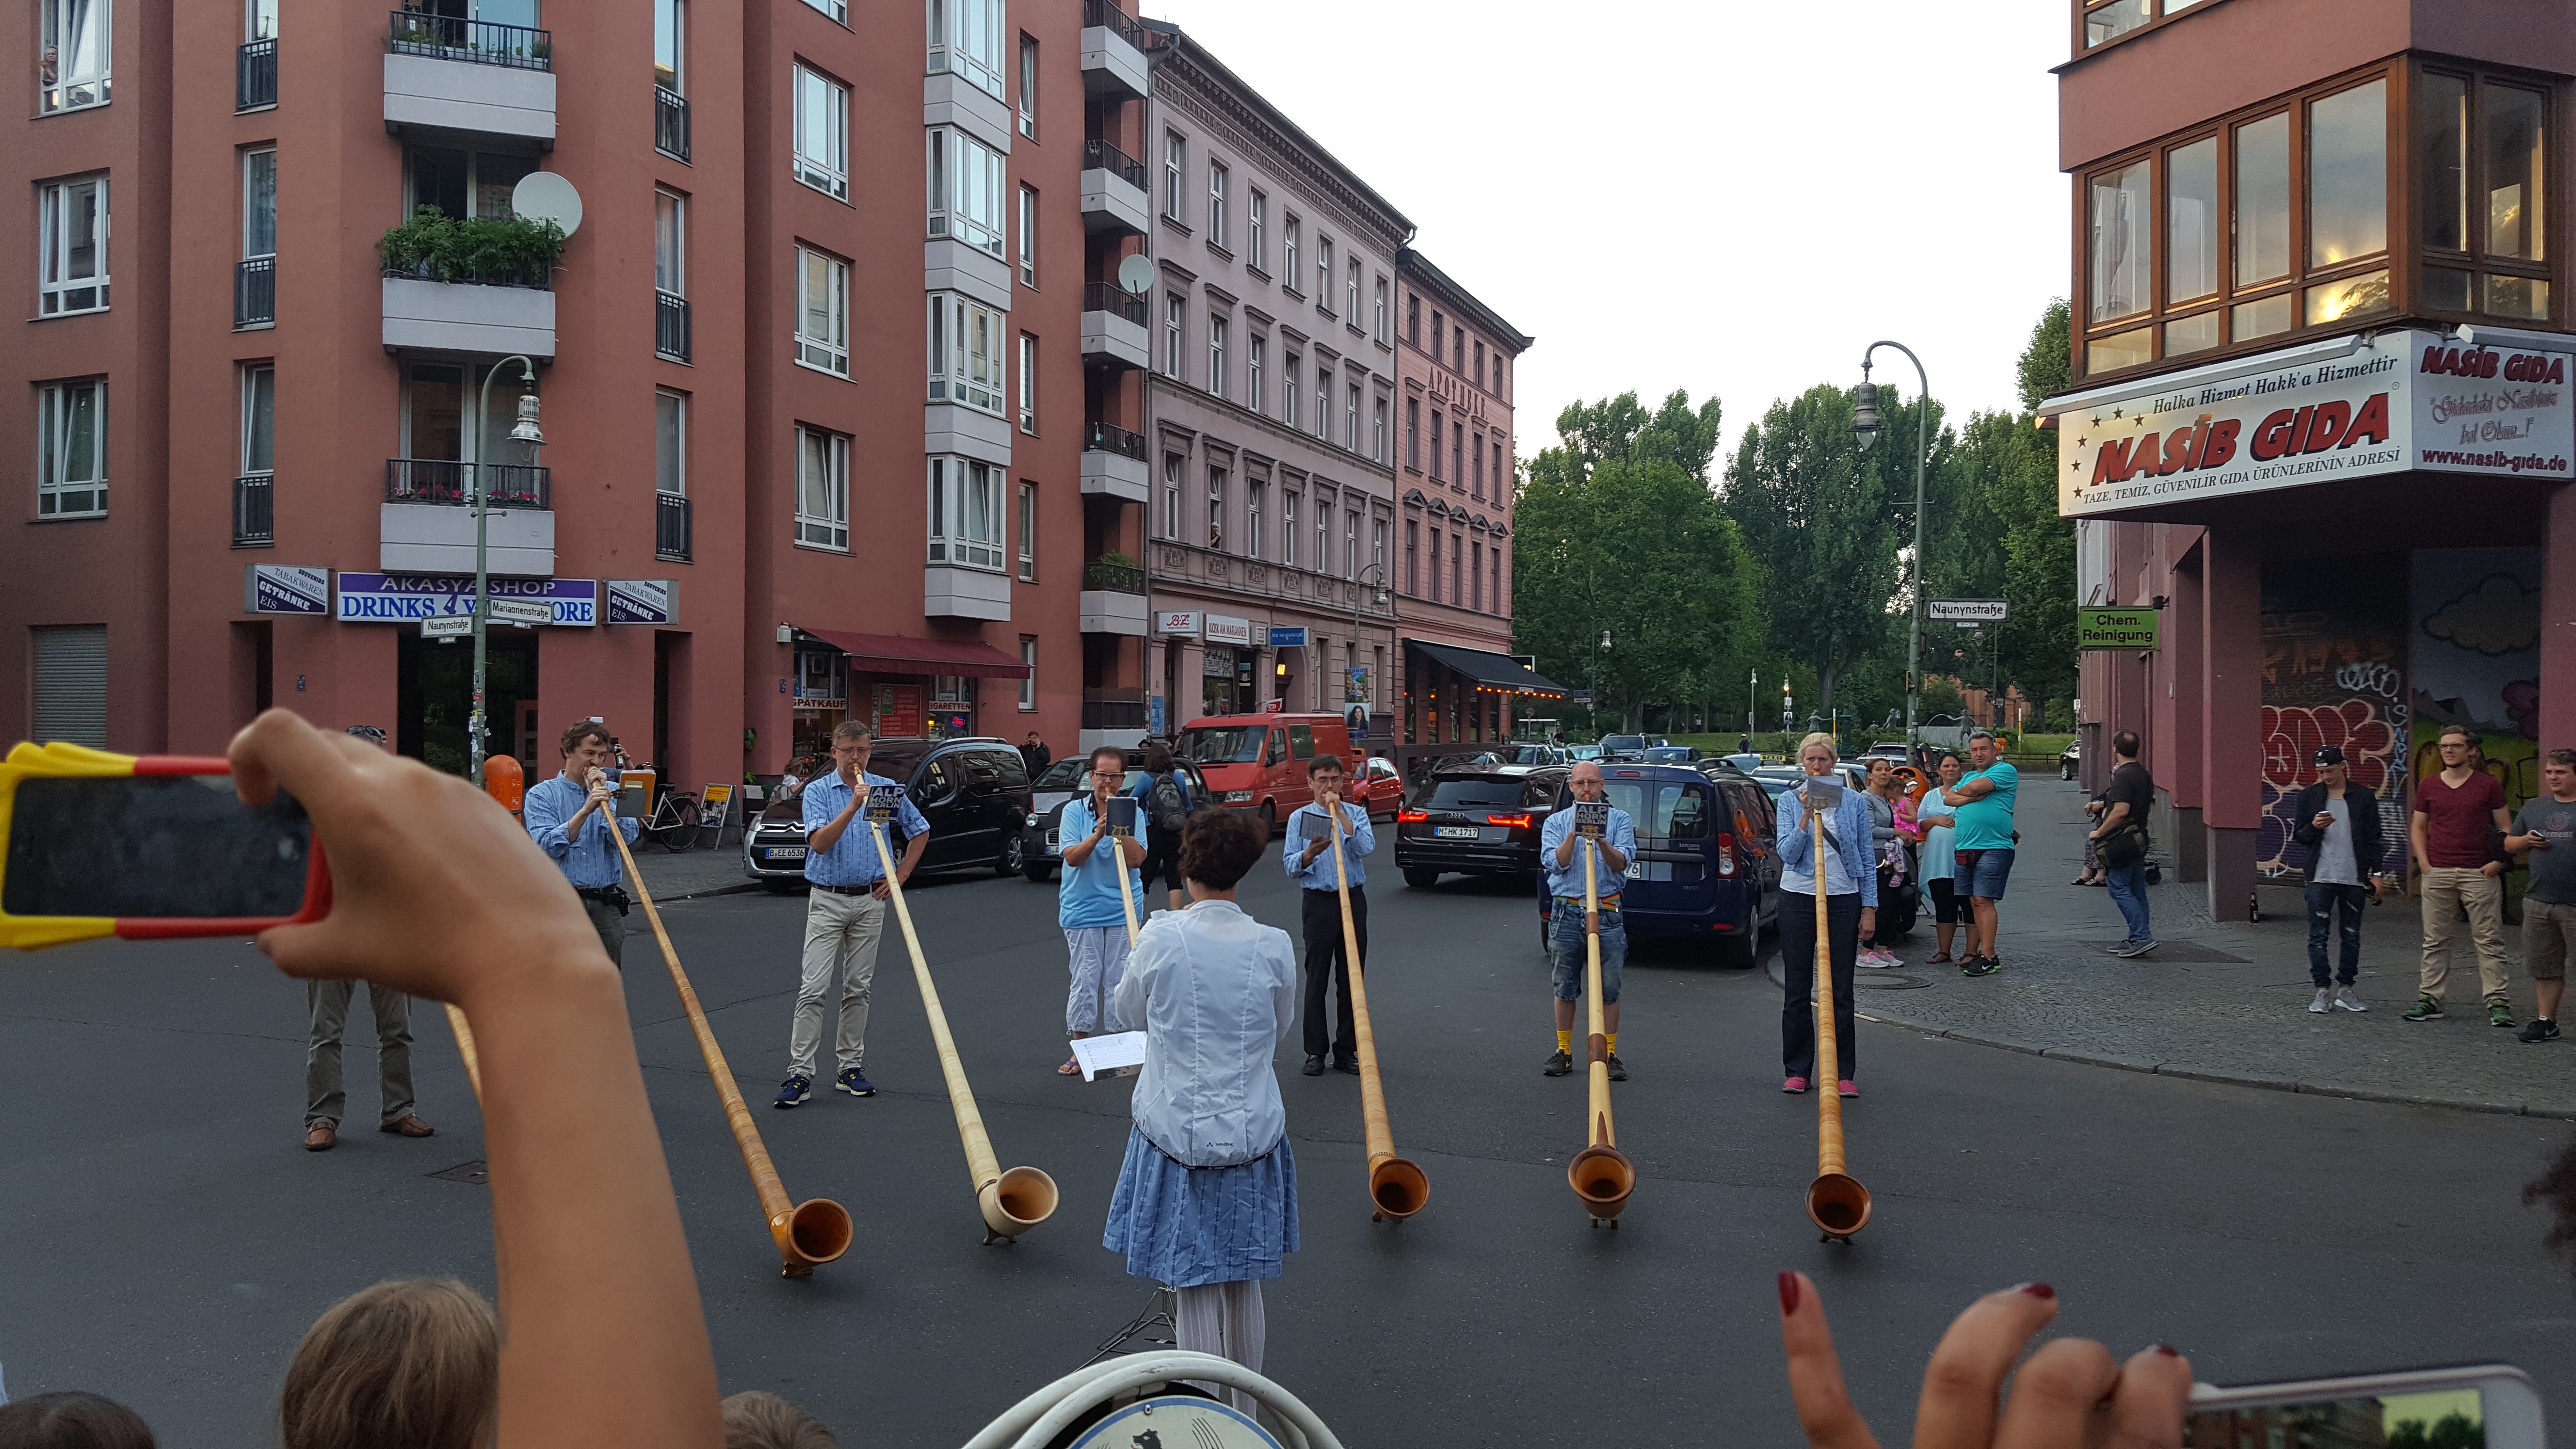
(1207, 1197)
(1847, 877)
(1938, 823)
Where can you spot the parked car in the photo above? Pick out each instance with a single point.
(1776, 779)
(1705, 867)
(1479, 820)
(1257, 762)
(974, 793)
(1041, 854)
(1385, 787)
(1747, 762)
(1889, 750)
(2068, 759)
(1672, 755)
(1577, 754)
(1615, 746)
(1530, 753)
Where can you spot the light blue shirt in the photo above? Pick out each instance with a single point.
(852, 860)
(590, 862)
(1939, 855)
(1849, 862)
(1986, 823)
(1568, 881)
(1087, 894)
(1310, 824)
(1217, 993)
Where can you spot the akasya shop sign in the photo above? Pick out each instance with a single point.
(402, 598)
(2406, 401)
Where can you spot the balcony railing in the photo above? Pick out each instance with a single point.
(1124, 25)
(671, 326)
(255, 292)
(255, 510)
(443, 480)
(670, 124)
(1113, 577)
(1101, 156)
(671, 527)
(1102, 297)
(452, 37)
(1103, 710)
(1110, 438)
(255, 76)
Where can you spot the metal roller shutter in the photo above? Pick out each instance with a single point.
(71, 684)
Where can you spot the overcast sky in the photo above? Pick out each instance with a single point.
(1729, 196)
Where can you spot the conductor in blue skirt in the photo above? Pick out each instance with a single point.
(1207, 1197)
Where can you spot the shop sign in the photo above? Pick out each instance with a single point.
(1181, 622)
(401, 598)
(899, 711)
(1226, 629)
(1287, 638)
(1967, 611)
(2116, 628)
(2499, 410)
(643, 601)
(1217, 664)
(286, 589)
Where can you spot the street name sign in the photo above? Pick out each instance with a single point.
(447, 626)
(1967, 611)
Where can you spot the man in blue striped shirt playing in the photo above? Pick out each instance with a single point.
(1307, 855)
(558, 811)
(845, 911)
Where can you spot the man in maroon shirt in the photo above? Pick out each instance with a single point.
(2448, 833)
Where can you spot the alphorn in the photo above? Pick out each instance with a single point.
(1600, 1174)
(1397, 1187)
(1012, 1202)
(465, 1049)
(1836, 1202)
(808, 1233)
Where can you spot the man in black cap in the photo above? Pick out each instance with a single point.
(2338, 826)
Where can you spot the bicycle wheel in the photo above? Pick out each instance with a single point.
(683, 832)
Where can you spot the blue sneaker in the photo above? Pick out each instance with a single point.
(796, 1089)
(855, 1082)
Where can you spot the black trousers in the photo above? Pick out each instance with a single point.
(1798, 981)
(1321, 918)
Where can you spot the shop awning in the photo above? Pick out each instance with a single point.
(1493, 671)
(903, 654)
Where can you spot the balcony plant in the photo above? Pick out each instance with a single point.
(491, 251)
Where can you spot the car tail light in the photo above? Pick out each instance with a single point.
(1411, 817)
(1725, 853)
(1520, 821)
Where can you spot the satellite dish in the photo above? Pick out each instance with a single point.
(546, 196)
(1136, 274)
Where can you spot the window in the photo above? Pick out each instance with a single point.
(2191, 221)
(666, 42)
(965, 190)
(1475, 575)
(966, 39)
(1253, 395)
(1255, 493)
(1028, 385)
(1028, 236)
(1028, 88)
(1380, 327)
(1494, 600)
(965, 513)
(72, 246)
(1288, 391)
(1176, 323)
(1351, 294)
(1351, 417)
(1029, 680)
(1477, 452)
(463, 184)
(72, 65)
(1216, 508)
(670, 276)
(2348, 175)
(671, 443)
(1324, 275)
(1502, 475)
(1480, 363)
(1323, 400)
(1288, 529)
(822, 489)
(1256, 239)
(1439, 330)
(838, 9)
(965, 352)
(822, 311)
(1172, 496)
(1457, 452)
(1413, 318)
(1498, 374)
(1323, 531)
(1457, 563)
(1377, 547)
(1435, 444)
(1377, 430)
(1028, 533)
(2482, 139)
(1216, 204)
(1350, 545)
(1175, 157)
(1413, 433)
(1412, 572)
(1288, 268)
(822, 156)
(1458, 341)
(258, 419)
(1216, 355)
(1435, 565)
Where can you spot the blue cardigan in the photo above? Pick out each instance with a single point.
(1847, 833)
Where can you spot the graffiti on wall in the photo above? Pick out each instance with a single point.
(2334, 673)
(2475, 661)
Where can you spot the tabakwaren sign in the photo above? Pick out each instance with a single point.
(2402, 401)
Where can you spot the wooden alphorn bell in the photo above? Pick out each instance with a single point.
(1397, 1187)
(1601, 1175)
(1836, 1202)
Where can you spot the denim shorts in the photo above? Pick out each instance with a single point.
(1567, 956)
(1982, 873)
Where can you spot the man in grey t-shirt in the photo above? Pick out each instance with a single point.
(2338, 823)
(2544, 833)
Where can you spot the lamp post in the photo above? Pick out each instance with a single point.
(1596, 681)
(1752, 682)
(1376, 593)
(524, 431)
(1865, 423)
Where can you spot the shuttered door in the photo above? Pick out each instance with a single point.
(71, 684)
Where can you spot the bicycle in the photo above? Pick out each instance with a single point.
(675, 822)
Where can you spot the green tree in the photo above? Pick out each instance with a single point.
(1816, 514)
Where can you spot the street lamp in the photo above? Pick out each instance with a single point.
(524, 431)
(1865, 423)
(1376, 593)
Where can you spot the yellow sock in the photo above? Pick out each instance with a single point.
(1614, 1043)
(1565, 1042)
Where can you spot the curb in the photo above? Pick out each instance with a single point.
(739, 888)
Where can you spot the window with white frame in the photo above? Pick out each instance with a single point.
(1217, 179)
(1255, 494)
(1413, 432)
(1028, 533)
(1253, 396)
(965, 190)
(1176, 155)
(258, 419)
(72, 54)
(667, 31)
(1288, 528)
(1323, 531)
(966, 513)
(1288, 393)
(822, 155)
(71, 448)
(1377, 432)
(1382, 318)
(1028, 236)
(1351, 292)
(1377, 546)
(1256, 239)
(966, 38)
(966, 360)
(1323, 399)
(1324, 274)
(1028, 88)
(838, 9)
(1216, 508)
(1350, 545)
(259, 203)
(1288, 274)
(71, 233)
(822, 311)
(1351, 417)
(1029, 680)
(1172, 496)
(1176, 318)
(1217, 328)
(822, 489)
(670, 236)
(1028, 385)
(671, 442)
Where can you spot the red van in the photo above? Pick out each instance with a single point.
(1257, 762)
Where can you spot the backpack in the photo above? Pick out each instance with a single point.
(1171, 806)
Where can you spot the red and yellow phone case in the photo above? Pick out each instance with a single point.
(29, 932)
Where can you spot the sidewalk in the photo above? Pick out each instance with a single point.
(2217, 1001)
(691, 873)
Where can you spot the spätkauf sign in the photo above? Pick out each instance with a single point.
(2403, 401)
(2115, 628)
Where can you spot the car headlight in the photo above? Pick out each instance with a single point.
(1036, 819)
(1238, 797)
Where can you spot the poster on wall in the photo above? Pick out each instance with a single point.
(898, 711)
(2475, 660)
(2334, 673)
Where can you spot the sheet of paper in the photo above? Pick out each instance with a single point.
(1118, 1054)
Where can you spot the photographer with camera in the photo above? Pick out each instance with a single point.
(558, 812)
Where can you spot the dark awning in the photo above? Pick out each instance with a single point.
(1494, 671)
(903, 654)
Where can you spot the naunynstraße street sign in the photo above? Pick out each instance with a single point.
(2097, 628)
(1967, 611)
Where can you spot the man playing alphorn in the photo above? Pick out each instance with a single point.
(1096, 868)
(844, 913)
(1307, 855)
(1557, 844)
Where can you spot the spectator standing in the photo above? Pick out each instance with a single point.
(1036, 754)
(1937, 829)
(1087, 904)
(2546, 828)
(844, 911)
(558, 813)
(1568, 956)
(2121, 841)
(1982, 803)
(2339, 826)
(1889, 814)
(1849, 882)
(2457, 872)
(1164, 796)
(1306, 856)
(326, 1018)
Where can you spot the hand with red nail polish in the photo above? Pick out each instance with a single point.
(2070, 1394)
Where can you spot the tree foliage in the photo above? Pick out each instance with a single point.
(1817, 515)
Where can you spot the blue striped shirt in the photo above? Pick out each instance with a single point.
(590, 862)
(852, 860)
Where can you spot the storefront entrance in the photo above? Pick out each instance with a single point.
(434, 687)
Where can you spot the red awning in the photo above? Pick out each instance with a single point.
(902, 654)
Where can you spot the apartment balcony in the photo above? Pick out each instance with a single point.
(949, 591)
(255, 76)
(425, 527)
(255, 510)
(1113, 709)
(1113, 462)
(255, 293)
(1113, 52)
(451, 74)
(670, 124)
(671, 527)
(670, 327)
(1113, 191)
(476, 317)
(1113, 327)
(1113, 599)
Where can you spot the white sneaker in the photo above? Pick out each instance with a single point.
(2349, 1002)
(2323, 1003)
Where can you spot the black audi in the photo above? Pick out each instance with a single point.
(1481, 820)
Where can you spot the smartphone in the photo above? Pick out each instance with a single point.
(1122, 817)
(146, 846)
(1592, 819)
(2493, 1405)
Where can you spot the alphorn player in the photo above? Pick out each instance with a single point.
(845, 912)
(1207, 1197)
(1557, 848)
(1096, 868)
(1851, 911)
(560, 812)
(1307, 857)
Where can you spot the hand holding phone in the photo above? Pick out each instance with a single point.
(2490, 1404)
(2324, 820)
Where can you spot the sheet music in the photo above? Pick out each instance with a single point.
(1119, 1054)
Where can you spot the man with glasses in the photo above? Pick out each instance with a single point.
(2447, 834)
(1565, 946)
(558, 813)
(1087, 905)
(2546, 828)
(844, 912)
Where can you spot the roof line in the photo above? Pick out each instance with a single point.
(1464, 300)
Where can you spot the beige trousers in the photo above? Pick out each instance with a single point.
(2446, 891)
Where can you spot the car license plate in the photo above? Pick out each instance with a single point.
(1456, 832)
(793, 852)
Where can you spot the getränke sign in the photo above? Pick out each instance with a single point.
(2403, 401)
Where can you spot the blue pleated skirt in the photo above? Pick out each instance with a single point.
(1189, 1226)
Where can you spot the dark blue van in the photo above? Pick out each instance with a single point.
(1705, 867)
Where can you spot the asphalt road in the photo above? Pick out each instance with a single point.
(167, 1240)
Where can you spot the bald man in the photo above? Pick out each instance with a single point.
(1561, 853)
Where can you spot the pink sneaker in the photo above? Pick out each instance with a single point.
(1793, 1084)
(1847, 1087)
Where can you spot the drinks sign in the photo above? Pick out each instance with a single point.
(402, 598)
